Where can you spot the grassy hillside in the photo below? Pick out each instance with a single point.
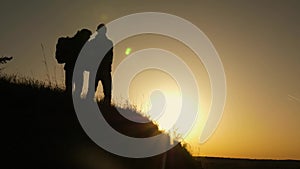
(41, 130)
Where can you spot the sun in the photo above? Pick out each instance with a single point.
(159, 100)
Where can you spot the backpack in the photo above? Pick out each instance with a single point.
(67, 49)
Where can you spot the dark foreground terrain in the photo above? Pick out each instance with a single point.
(41, 131)
(231, 163)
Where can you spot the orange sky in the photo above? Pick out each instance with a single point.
(258, 43)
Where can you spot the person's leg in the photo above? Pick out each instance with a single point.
(68, 81)
(106, 83)
(91, 82)
(79, 85)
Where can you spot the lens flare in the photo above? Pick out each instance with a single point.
(128, 51)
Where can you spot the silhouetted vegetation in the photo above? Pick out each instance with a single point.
(42, 131)
(5, 59)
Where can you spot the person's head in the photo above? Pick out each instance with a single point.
(102, 27)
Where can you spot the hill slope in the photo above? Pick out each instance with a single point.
(41, 130)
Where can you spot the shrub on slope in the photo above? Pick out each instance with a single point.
(42, 131)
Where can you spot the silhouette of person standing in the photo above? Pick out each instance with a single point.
(67, 51)
(104, 71)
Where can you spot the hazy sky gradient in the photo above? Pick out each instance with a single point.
(258, 42)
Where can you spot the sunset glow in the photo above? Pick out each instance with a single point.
(257, 41)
